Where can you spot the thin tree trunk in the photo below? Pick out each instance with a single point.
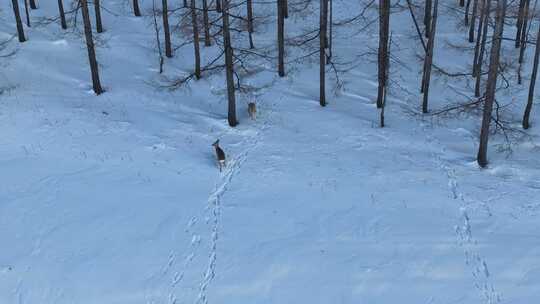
(218, 6)
(462, 3)
(481, 18)
(532, 85)
(285, 8)
(63, 22)
(158, 41)
(196, 39)
(90, 46)
(207, 41)
(229, 65)
(330, 32)
(427, 17)
(136, 9)
(429, 57)
(281, 37)
(18, 21)
(384, 31)
(249, 5)
(492, 83)
(97, 8)
(27, 13)
(524, 39)
(185, 3)
(473, 20)
(33, 4)
(480, 61)
(322, 52)
(166, 30)
(467, 8)
(519, 22)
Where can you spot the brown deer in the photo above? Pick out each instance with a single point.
(220, 155)
(252, 110)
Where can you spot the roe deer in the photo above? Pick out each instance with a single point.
(220, 155)
(252, 110)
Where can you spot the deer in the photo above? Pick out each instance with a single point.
(252, 110)
(220, 155)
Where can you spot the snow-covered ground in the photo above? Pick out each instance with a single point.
(117, 198)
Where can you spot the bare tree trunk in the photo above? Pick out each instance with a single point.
(218, 6)
(249, 5)
(524, 39)
(462, 3)
(491, 83)
(519, 22)
(166, 30)
(281, 37)
(90, 46)
(481, 19)
(387, 72)
(27, 13)
(384, 32)
(18, 21)
(480, 61)
(158, 41)
(136, 9)
(530, 98)
(196, 39)
(97, 8)
(330, 32)
(285, 8)
(185, 3)
(322, 52)
(467, 7)
(473, 20)
(207, 41)
(429, 58)
(33, 4)
(427, 17)
(63, 22)
(229, 65)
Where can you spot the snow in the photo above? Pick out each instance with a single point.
(117, 198)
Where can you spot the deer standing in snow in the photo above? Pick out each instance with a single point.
(252, 110)
(220, 155)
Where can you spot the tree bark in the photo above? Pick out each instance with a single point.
(27, 13)
(166, 30)
(519, 22)
(467, 7)
(196, 39)
(473, 20)
(63, 22)
(249, 6)
(229, 65)
(218, 6)
(281, 37)
(18, 21)
(427, 17)
(491, 83)
(33, 4)
(330, 31)
(207, 41)
(462, 3)
(532, 85)
(429, 57)
(480, 61)
(322, 52)
(97, 8)
(384, 32)
(90, 46)
(136, 9)
(481, 18)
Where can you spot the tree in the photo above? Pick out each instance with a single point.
(322, 51)
(281, 37)
(96, 84)
(480, 60)
(218, 6)
(229, 65)
(33, 4)
(18, 21)
(473, 20)
(63, 22)
(136, 9)
(428, 61)
(206, 25)
(384, 32)
(249, 7)
(427, 16)
(27, 13)
(491, 85)
(166, 30)
(196, 39)
(530, 98)
(97, 9)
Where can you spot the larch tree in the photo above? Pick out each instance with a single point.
(281, 37)
(229, 65)
(322, 51)
(526, 115)
(62, 13)
(18, 21)
(166, 29)
(384, 34)
(96, 84)
(491, 85)
(195, 27)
